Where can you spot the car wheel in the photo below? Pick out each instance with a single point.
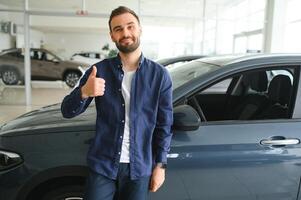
(71, 78)
(10, 76)
(69, 192)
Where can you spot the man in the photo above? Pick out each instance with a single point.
(133, 97)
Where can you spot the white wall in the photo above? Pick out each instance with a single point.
(6, 40)
(66, 44)
(37, 38)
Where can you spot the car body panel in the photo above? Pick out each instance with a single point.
(229, 157)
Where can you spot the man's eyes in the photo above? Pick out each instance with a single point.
(130, 27)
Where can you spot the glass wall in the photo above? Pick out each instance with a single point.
(12, 93)
(234, 27)
(292, 30)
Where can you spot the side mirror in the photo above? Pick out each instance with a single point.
(186, 118)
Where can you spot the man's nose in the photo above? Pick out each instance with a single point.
(125, 32)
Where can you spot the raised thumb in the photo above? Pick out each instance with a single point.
(94, 71)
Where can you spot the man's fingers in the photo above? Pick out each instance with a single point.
(154, 186)
(100, 80)
(151, 185)
(95, 86)
(98, 87)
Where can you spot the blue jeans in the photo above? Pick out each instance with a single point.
(99, 187)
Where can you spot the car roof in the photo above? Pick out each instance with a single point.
(171, 60)
(20, 49)
(223, 60)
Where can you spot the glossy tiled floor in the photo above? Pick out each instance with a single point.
(12, 98)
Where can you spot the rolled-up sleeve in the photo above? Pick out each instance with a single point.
(163, 132)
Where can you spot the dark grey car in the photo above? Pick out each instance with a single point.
(239, 142)
(44, 66)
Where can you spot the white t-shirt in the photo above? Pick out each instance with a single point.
(126, 93)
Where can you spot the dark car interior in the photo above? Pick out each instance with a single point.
(255, 95)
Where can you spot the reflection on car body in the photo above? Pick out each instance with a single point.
(241, 142)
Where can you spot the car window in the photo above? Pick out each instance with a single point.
(49, 57)
(84, 54)
(16, 54)
(35, 55)
(41, 55)
(93, 55)
(189, 71)
(253, 95)
(218, 88)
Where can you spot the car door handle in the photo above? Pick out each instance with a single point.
(289, 141)
(172, 155)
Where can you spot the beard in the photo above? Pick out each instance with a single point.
(128, 48)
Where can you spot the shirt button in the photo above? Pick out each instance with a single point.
(123, 104)
(122, 121)
(119, 153)
(121, 137)
(121, 75)
(119, 89)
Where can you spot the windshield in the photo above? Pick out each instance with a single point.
(186, 72)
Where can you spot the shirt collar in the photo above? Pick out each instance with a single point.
(119, 63)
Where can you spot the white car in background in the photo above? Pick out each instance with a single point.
(88, 57)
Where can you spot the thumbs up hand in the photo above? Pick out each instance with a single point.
(94, 86)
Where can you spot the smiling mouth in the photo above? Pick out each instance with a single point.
(126, 40)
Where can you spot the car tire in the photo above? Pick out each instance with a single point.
(10, 76)
(68, 192)
(71, 78)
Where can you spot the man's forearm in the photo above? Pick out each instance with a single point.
(73, 104)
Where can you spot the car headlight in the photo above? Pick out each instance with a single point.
(9, 159)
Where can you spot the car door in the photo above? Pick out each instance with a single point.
(36, 63)
(237, 159)
(43, 65)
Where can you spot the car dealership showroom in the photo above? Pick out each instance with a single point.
(166, 99)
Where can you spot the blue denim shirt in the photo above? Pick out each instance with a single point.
(151, 117)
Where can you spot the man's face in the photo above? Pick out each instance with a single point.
(125, 32)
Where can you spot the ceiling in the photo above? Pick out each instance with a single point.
(172, 8)
(50, 15)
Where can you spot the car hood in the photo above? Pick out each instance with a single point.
(49, 119)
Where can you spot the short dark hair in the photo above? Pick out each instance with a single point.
(121, 10)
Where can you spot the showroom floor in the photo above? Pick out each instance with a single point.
(12, 98)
